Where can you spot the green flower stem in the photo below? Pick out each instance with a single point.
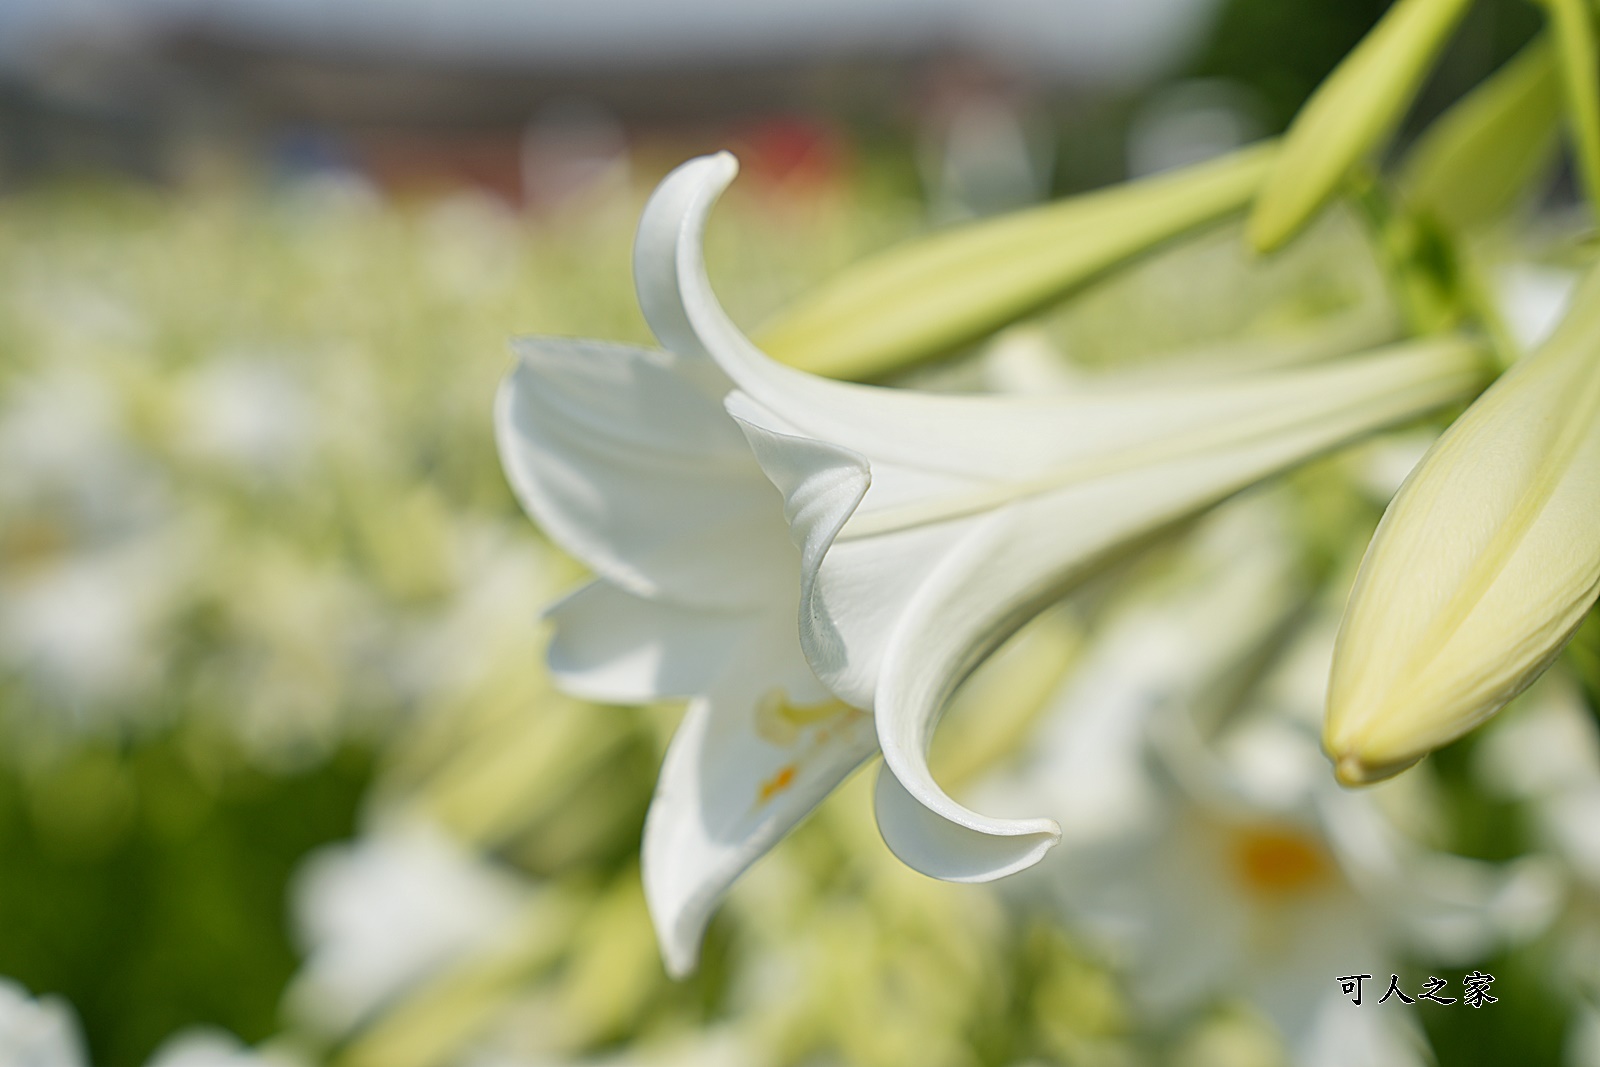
(1435, 284)
(1573, 24)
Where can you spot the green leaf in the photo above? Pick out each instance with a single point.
(926, 298)
(1575, 45)
(1351, 114)
(1472, 164)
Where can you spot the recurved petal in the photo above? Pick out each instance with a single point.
(749, 762)
(969, 439)
(933, 834)
(964, 433)
(626, 458)
(960, 614)
(618, 648)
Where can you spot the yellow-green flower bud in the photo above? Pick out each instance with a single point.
(1484, 565)
(1351, 115)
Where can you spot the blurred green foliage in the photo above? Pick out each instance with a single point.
(145, 883)
(1281, 51)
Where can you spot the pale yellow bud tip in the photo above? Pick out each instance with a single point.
(1352, 771)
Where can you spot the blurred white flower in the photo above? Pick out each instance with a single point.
(248, 411)
(1533, 299)
(65, 437)
(392, 909)
(1548, 754)
(44, 1033)
(1545, 754)
(97, 553)
(37, 1033)
(485, 621)
(1211, 855)
(922, 530)
(87, 628)
(204, 1047)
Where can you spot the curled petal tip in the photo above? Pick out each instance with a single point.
(933, 835)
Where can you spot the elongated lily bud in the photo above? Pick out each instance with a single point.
(925, 298)
(1477, 159)
(1352, 113)
(1484, 565)
(1573, 22)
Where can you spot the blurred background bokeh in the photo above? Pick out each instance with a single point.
(278, 758)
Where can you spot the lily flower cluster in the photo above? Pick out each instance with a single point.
(817, 565)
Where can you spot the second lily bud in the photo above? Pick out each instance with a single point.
(1485, 564)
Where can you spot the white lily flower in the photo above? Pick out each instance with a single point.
(1219, 861)
(922, 530)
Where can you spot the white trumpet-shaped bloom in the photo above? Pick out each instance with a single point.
(912, 535)
(1484, 565)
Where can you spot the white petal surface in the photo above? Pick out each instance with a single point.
(614, 647)
(626, 458)
(751, 759)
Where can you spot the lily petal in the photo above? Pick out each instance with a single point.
(617, 648)
(933, 834)
(736, 780)
(625, 458)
